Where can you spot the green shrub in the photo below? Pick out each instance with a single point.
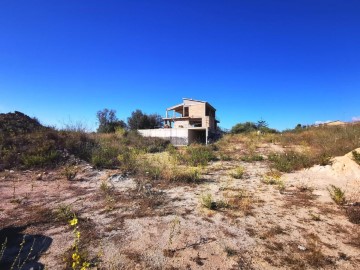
(64, 213)
(324, 159)
(41, 159)
(238, 173)
(274, 178)
(356, 157)
(208, 202)
(128, 160)
(337, 194)
(289, 161)
(105, 157)
(196, 155)
(70, 172)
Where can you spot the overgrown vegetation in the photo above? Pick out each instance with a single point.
(289, 161)
(196, 155)
(247, 127)
(25, 143)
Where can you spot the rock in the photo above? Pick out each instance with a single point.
(302, 248)
(39, 176)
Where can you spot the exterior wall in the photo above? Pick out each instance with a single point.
(197, 110)
(177, 136)
(208, 122)
(183, 123)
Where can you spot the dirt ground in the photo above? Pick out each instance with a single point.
(130, 223)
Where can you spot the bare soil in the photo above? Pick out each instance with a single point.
(137, 224)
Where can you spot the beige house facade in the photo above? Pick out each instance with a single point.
(192, 121)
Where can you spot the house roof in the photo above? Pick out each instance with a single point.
(189, 99)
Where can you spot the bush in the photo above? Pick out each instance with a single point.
(105, 157)
(356, 157)
(289, 161)
(337, 194)
(128, 160)
(70, 172)
(41, 159)
(238, 173)
(208, 202)
(353, 214)
(196, 155)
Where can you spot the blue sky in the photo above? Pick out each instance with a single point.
(286, 62)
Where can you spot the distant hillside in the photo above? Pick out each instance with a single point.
(18, 123)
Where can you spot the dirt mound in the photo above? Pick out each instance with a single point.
(345, 165)
(18, 123)
(344, 173)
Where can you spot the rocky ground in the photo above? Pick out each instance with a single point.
(130, 223)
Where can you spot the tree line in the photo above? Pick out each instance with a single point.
(108, 121)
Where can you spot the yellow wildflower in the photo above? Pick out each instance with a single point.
(73, 222)
(76, 257)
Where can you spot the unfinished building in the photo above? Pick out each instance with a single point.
(192, 121)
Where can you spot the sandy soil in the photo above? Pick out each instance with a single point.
(136, 224)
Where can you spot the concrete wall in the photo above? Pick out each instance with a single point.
(177, 136)
(197, 110)
(183, 123)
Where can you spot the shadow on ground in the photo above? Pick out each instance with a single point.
(21, 251)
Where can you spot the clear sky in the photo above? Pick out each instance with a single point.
(284, 61)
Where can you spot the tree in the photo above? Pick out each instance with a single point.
(108, 122)
(261, 124)
(140, 120)
(243, 128)
(247, 127)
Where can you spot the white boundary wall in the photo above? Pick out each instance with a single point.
(177, 136)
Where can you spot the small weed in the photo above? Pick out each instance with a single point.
(174, 228)
(70, 172)
(208, 202)
(109, 196)
(238, 173)
(314, 255)
(276, 230)
(230, 251)
(274, 178)
(337, 194)
(64, 213)
(315, 217)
